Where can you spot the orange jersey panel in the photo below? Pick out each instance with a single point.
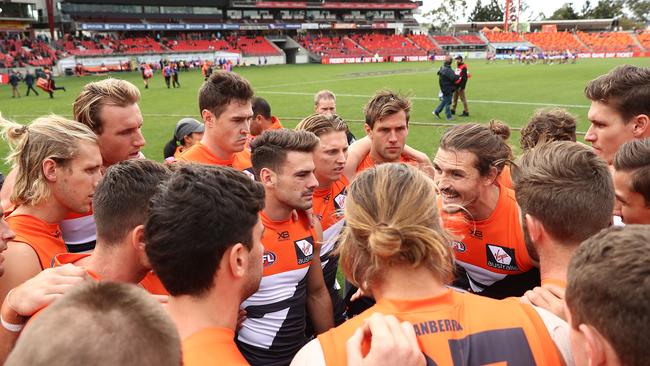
(368, 163)
(152, 284)
(457, 328)
(212, 346)
(492, 248)
(328, 203)
(200, 154)
(288, 245)
(505, 178)
(72, 258)
(43, 237)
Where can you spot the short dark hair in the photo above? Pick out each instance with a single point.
(261, 107)
(562, 183)
(487, 142)
(634, 157)
(220, 89)
(100, 323)
(198, 214)
(626, 88)
(121, 200)
(269, 150)
(608, 282)
(548, 125)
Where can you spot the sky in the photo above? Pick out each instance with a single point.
(536, 6)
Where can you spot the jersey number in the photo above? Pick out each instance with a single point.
(503, 345)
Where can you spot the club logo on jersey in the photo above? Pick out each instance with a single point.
(249, 172)
(501, 258)
(339, 201)
(304, 250)
(268, 258)
(283, 235)
(459, 246)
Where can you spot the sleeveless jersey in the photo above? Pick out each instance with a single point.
(505, 178)
(43, 237)
(72, 258)
(328, 207)
(456, 328)
(368, 163)
(152, 284)
(490, 250)
(212, 346)
(274, 329)
(200, 154)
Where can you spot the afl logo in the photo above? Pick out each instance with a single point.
(458, 246)
(268, 258)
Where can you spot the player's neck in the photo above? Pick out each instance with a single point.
(276, 210)
(192, 314)
(214, 148)
(113, 264)
(554, 260)
(405, 282)
(324, 183)
(378, 159)
(49, 211)
(485, 204)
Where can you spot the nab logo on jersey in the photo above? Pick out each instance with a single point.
(268, 258)
(304, 250)
(501, 258)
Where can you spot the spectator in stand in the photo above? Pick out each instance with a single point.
(447, 80)
(461, 70)
(14, 79)
(29, 81)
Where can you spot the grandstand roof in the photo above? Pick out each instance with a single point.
(582, 24)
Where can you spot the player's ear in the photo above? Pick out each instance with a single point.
(237, 258)
(595, 345)
(368, 130)
(491, 176)
(50, 167)
(641, 125)
(268, 177)
(137, 241)
(535, 227)
(208, 118)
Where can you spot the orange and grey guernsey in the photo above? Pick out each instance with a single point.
(199, 153)
(490, 250)
(45, 238)
(457, 328)
(328, 207)
(368, 163)
(212, 346)
(274, 329)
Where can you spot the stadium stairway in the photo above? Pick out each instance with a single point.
(581, 42)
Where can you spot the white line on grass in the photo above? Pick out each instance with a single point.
(432, 98)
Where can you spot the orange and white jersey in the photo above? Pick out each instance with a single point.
(458, 328)
(199, 153)
(328, 207)
(368, 163)
(210, 346)
(274, 329)
(44, 238)
(492, 249)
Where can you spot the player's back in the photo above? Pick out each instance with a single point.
(455, 328)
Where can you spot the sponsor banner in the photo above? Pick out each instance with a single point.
(612, 55)
(214, 26)
(349, 60)
(409, 58)
(344, 26)
(4, 78)
(155, 26)
(275, 26)
(175, 26)
(309, 26)
(584, 55)
(281, 4)
(195, 26)
(354, 5)
(379, 25)
(136, 26)
(439, 57)
(324, 26)
(257, 27)
(230, 26)
(293, 26)
(111, 26)
(92, 26)
(364, 26)
(624, 54)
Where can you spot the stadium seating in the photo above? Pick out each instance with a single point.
(333, 47)
(424, 42)
(256, 46)
(388, 45)
(644, 38)
(503, 37)
(560, 41)
(446, 40)
(199, 45)
(470, 39)
(609, 41)
(24, 52)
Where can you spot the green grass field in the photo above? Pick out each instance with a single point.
(497, 91)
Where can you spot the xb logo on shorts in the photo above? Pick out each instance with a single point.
(304, 250)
